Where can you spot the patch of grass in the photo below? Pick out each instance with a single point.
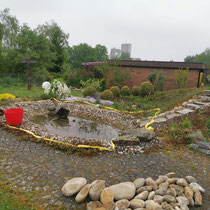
(76, 93)
(23, 92)
(166, 100)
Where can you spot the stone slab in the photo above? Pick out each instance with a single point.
(160, 120)
(171, 116)
(202, 103)
(204, 145)
(184, 111)
(193, 106)
(206, 92)
(205, 151)
(193, 146)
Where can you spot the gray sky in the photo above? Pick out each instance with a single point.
(157, 29)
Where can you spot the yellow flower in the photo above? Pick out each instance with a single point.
(6, 96)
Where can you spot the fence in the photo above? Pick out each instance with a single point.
(20, 79)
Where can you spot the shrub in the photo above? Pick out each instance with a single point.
(125, 91)
(152, 77)
(115, 90)
(107, 95)
(135, 90)
(160, 82)
(187, 124)
(146, 89)
(92, 82)
(89, 91)
(181, 77)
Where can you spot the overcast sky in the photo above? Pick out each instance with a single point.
(157, 29)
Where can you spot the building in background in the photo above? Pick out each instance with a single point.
(117, 53)
(126, 49)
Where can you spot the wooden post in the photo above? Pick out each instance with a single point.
(29, 72)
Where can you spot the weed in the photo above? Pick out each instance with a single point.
(187, 124)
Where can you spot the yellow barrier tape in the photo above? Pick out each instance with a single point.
(87, 146)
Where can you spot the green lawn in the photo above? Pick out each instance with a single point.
(34, 94)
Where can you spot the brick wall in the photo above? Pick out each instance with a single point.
(138, 75)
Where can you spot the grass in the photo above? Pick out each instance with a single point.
(34, 94)
(166, 100)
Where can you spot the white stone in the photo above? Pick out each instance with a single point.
(143, 195)
(73, 186)
(139, 182)
(82, 193)
(96, 190)
(151, 195)
(158, 198)
(196, 187)
(124, 190)
(190, 179)
(137, 203)
(182, 182)
(182, 200)
(152, 205)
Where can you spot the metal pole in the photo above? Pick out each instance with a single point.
(29, 72)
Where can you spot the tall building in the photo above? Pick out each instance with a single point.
(115, 53)
(126, 48)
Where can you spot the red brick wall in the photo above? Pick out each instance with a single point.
(139, 75)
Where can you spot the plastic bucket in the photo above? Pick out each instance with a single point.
(14, 116)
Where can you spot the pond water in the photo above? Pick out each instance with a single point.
(76, 127)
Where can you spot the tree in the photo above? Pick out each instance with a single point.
(125, 56)
(204, 58)
(82, 53)
(58, 43)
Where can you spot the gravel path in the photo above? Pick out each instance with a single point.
(43, 169)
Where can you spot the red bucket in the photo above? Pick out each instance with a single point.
(14, 116)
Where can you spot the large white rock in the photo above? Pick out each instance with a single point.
(73, 186)
(124, 190)
(96, 189)
(196, 187)
(82, 194)
(137, 203)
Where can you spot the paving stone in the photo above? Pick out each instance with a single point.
(184, 111)
(172, 116)
(204, 145)
(193, 106)
(205, 151)
(160, 120)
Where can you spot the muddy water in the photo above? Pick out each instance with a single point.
(76, 127)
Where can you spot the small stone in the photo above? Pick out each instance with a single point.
(171, 191)
(168, 207)
(177, 187)
(145, 188)
(152, 205)
(151, 182)
(93, 205)
(190, 179)
(151, 195)
(73, 186)
(174, 204)
(139, 182)
(182, 200)
(109, 206)
(169, 198)
(177, 208)
(164, 185)
(161, 179)
(184, 207)
(204, 145)
(124, 190)
(196, 187)
(122, 204)
(182, 182)
(161, 191)
(106, 196)
(143, 195)
(198, 198)
(82, 193)
(137, 203)
(96, 190)
(172, 180)
(164, 204)
(158, 198)
(188, 192)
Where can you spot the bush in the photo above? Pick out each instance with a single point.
(160, 82)
(92, 82)
(89, 91)
(181, 77)
(135, 90)
(152, 77)
(107, 95)
(146, 89)
(115, 90)
(125, 91)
